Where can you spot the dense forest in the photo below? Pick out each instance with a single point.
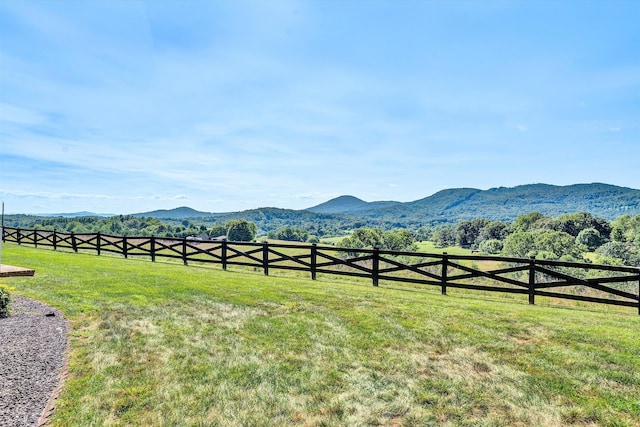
(568, 237)
(497, 204)
(121, 225)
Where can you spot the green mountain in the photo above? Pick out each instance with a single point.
(505, 204)
(343, 214)
(177, 213)
(76, 214)
(446, 206)
(317, 224)
(349, 204)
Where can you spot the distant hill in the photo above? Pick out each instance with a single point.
(446, 206)
(177, 213)
(348, 204)
(505, 204)
(344, 214)
(75, 214)
(603, 200)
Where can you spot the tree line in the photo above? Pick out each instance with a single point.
(567, 237)
(126, 225)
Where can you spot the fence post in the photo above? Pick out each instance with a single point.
(4, 236)
(375, 268)
(443, 279)
(55, 240)
(74, 244)
(224, 254)
(98, 238)
(124, 247)
(265, 258)
(639, 292)
(314, 254)
(532, 280)
(184, 250)
(35, 238)
(153, 249)
(18, 235)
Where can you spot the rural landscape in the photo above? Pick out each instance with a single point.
(281, 327)
(312, 213)
(586, 223)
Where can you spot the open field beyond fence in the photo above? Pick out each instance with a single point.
(167, 345)
(614, 285)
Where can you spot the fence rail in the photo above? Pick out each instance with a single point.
(605, 284)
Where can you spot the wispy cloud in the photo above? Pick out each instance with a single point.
(53, 196)
(235, 105)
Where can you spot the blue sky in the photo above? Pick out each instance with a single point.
(125, 106)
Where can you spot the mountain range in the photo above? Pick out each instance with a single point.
(446, 206)
(182, 212)
(349, 204)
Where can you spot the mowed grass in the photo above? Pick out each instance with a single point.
(163, 344)
(429, 247)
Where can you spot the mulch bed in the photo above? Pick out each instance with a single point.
(33, 350)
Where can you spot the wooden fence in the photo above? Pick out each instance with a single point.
(616, 285)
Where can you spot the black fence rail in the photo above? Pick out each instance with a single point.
(605, 284)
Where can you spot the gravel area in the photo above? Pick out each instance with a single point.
(33, 344)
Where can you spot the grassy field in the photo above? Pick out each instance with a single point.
(425, 246)
(429, 247)
(164, 344)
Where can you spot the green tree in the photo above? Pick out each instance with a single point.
(241, 230)
(590, 237)
(574, 223)
(76, 227)
(491, 246)
(399, 240)
(627, 229)
(424, 233)
(626, 252)
(467, 232)
(289, 233)
(613, 249)
(617, 234)
(369, 237)
(557, 244)
(218, 230)
(444, 237)
(5, 300)
(525, 222)
(495, 230)
(520, 244)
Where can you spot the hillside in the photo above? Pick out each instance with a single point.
(317, 224)
(76, 214)
(505, 204)
(345, 213)
(349, 204)
(448, 206)
(177, 213)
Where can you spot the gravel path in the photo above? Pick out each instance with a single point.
(33, 347)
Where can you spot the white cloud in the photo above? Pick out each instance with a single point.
(14, 114)
(54, 196)
(241, 104)
(314, 196)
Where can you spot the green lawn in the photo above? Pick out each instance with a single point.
(164, 344)
(429, 247)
